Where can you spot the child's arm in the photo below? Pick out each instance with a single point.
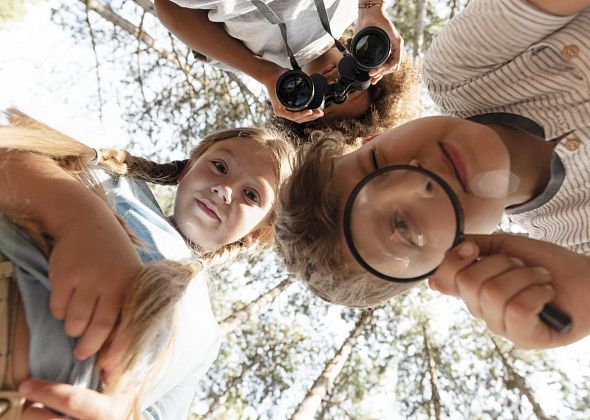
(93, 260)
(484, 36)
(193, 27)
(561, 8)
(513, 280)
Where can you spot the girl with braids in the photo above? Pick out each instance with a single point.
(92, 251)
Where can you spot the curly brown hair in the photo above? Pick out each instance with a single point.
(394, 100)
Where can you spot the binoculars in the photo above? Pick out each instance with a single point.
(297, 91)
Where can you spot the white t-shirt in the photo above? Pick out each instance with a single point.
(306, 36)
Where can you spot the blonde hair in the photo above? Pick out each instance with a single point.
(307, 230)
(149, 308)
(282, 152)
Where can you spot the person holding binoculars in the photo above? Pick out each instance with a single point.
(293, 49)
(363, 224)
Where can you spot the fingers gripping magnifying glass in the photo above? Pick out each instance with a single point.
(400, 220)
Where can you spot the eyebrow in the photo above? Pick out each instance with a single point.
(227, 151)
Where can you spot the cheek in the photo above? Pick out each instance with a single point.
(481, 216)
(251, 219)
(182, 199)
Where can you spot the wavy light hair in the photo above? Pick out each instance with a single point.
(307, 230)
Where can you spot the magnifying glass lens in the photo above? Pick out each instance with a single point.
(401, 223)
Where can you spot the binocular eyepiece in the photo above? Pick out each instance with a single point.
(369, 49)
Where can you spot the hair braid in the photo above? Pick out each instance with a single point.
(124, 163)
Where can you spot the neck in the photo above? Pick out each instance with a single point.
(530, 161)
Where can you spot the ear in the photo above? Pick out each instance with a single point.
(184, 171)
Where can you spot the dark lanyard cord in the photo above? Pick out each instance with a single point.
(321, 8)
(272, 17)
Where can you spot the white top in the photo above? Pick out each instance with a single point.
(307, 38)
(506, 56)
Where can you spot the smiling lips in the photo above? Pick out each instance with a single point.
(208, 209)
(454, 160)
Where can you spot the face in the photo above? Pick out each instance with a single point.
(358, 101)
(408, 212)
(226, 194)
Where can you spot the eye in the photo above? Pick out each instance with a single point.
(374, 159)
(403, 231)
(252, 195)
(219, 166)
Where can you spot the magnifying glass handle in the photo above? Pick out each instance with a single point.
(555, 319)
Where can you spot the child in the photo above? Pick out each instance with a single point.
(524, 92)
(60, 234)
(238, 35)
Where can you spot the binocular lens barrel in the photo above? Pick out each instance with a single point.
(370, 47)
(297, 91)
(294, 90)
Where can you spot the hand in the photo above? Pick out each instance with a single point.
(71, 401)
(375, 16)
(90, 269)
(507, 279)
(279, 109)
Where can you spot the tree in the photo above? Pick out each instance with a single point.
(320, 388)
(237, 318)
(170, 100)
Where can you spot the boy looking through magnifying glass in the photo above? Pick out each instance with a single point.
(521, 147)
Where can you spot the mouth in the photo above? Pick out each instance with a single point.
(208, 208)
(453, 159)
(329, 72)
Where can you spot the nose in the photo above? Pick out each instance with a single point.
(224, 192)
(422, 184)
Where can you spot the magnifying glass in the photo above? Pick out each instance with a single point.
(400, 220)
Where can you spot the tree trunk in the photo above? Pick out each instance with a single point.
(147, 6)
(119, 21)
(514, 380)
(453, 9)
(419, 26)
(434, 394)
(220, 400)
(313, 400)
(236, 319)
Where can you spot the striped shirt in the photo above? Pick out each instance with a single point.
(506, 57)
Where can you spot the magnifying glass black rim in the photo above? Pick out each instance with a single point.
(348, 210)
